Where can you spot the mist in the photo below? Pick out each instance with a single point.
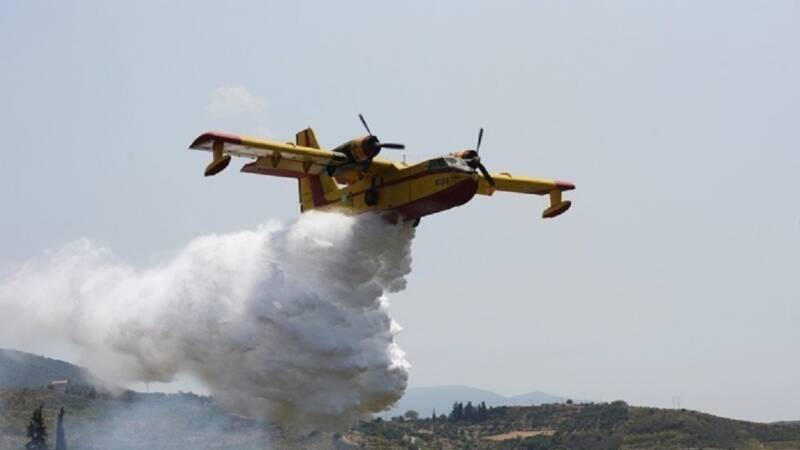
(287, 322)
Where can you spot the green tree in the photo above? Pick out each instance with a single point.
(482, 412)
(469, 412)
(411, 414)
(37, 431)
(457, 414)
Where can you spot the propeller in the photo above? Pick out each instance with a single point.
(377, 143)
(475, 162)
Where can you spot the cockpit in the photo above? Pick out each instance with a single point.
(449, 162)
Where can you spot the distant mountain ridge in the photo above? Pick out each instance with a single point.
(20, 369)
(441, 398)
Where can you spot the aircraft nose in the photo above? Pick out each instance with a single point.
(464, 175)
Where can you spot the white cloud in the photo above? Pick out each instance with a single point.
(228, 100)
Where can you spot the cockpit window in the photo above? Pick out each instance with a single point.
(449, 161)
(438, 163)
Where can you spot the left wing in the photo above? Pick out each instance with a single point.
(527, 185)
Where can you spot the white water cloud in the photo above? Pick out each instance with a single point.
(289, 323)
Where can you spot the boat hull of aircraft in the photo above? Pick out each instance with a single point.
(410, 192)
(456, 194)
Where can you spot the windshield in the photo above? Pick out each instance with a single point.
(448, 161)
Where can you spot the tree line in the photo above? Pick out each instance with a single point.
(468, 412)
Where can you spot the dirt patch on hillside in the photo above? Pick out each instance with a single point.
(519, 434)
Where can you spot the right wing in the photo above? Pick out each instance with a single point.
(285, 159)
(271, 157)
(527, 185)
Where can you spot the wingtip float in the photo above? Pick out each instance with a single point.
(350, 177)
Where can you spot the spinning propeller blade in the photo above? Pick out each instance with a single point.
(486, 174)
(478, 162)
(389, 145)
(365, 123)
(392, 146)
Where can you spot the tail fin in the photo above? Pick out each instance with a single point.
(315, 190)
(307, 138)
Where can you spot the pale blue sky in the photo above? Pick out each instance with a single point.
(675, 273)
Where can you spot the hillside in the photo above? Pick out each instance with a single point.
(100, 419)
(20, 369)
(178, 421)
(128, 421)
(441, 398)
(578, 426)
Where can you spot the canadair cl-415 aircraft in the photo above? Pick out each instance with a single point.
(350, 177)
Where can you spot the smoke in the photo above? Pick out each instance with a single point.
(286, 322)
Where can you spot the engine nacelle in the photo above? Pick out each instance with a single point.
(465, 154)
(361, 149)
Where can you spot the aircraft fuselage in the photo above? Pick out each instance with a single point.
(412, 191)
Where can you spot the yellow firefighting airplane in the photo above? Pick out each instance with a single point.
(351, 178)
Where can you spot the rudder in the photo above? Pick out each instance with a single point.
(314, 189)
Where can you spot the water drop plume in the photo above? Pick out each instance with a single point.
(285, 322)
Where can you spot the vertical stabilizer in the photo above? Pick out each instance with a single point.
(307, 138)
(315, 190)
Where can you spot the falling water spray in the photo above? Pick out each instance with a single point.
(288, 323)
